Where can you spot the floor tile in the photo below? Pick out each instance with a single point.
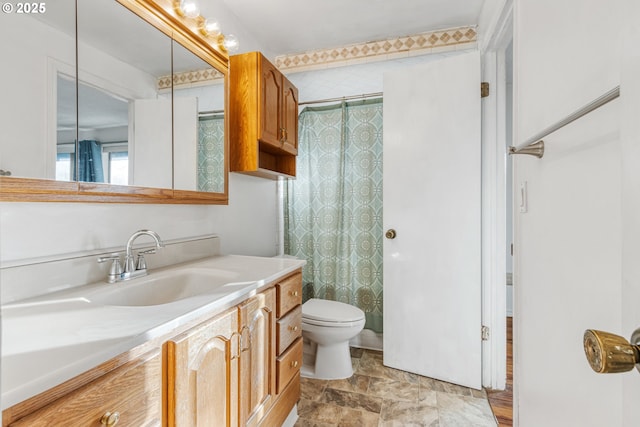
(463, 411)
(394, 390)
(355, 384)
(408, 414)
(352, 400)
(377, 395)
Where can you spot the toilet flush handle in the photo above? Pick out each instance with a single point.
(390, 234)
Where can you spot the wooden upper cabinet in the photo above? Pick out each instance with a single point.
(270, 106)
(290, 116)
(263, 118)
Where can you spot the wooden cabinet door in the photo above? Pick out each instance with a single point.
(290, 116)
(202, 374)
(257, 357)
(270, 104)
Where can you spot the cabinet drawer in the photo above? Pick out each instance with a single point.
(288, 329)
(289, 294)
(288, 365)
(134, 390)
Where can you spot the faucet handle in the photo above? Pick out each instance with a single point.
(142, 263)
(116, 268)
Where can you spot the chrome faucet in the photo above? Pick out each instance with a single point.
(131, 269)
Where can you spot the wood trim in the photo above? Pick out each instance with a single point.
(501, 401)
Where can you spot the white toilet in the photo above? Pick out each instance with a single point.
(327, 327)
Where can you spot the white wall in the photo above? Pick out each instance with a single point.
(568, 270)
(246, 226)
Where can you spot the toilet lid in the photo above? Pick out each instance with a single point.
(330, 311)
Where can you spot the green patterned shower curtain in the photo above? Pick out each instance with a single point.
(211, 153)
(333, 209)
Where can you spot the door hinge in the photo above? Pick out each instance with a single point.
(484, 89)
(512, 249)
(486, 333)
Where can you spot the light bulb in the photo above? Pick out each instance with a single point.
(212, 28)
(231, 43)
(190, 8)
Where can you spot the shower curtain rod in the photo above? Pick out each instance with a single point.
(344, 98)
(210, 113)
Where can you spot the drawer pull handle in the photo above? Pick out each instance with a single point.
(293, 328)
(294, 363)
(293, 293)
(110, 419)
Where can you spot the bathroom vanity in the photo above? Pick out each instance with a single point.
(230, 356)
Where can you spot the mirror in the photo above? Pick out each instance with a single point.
(124, 120)
(198, 133)
(28, 113)
(127, 129)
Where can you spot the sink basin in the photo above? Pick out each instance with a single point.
(168, 287)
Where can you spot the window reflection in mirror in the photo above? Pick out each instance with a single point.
(104, 127)
(124, 115)
(35, 49)
(198, 92)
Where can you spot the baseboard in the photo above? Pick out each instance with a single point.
(367, 339)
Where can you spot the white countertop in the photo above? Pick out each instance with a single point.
(48, 340)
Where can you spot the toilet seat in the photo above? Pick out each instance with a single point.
(330, 313)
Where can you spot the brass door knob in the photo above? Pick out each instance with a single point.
(390, 234)
(609, 353)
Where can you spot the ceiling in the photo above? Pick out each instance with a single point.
(295, 26)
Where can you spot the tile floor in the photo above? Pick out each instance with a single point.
(380, 396)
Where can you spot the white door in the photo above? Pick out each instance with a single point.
(432, 183)
(185, 143)
(150, 148)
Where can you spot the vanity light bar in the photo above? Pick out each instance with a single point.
(208, 27)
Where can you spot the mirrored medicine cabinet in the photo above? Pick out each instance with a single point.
(113, 101)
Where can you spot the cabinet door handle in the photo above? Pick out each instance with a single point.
(294, 363)
(293, 293)
(110, 419)
(293, 328)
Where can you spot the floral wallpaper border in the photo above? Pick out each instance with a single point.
(417, 44)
